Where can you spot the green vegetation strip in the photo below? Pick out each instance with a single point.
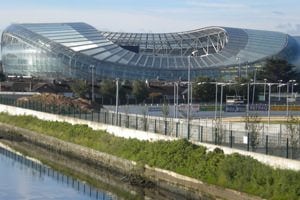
(231, 171)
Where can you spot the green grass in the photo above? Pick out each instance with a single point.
(232, 171)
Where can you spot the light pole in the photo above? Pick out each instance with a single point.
(221, 101)
(189, 92)
(287, 99)
(92, 67)
(293, 82)
(269, 103)
(216, 100)
(117, 99)
(175, 99)
(248, 91)
(254, 81)
(279, 88)
(239, 66)
(265, 80)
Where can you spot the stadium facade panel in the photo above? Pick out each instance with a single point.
(75, 50)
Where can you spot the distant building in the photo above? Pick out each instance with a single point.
(78, 50)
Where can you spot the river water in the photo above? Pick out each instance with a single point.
(26, 179)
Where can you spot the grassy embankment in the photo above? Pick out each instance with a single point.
(232, 171)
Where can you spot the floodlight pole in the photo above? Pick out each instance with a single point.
(216, 101)
(117, 99)
(265, 80)
(189, 92)
(221, 101)
(92, 67)
(248, 91)
(279, 89)
(287, 99)
(269, 109)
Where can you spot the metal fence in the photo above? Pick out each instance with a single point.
(269, 139)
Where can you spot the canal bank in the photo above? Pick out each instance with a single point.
(173, 182)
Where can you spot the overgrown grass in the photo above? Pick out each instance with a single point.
(232, 171)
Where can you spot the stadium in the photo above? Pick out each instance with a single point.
(71, 51)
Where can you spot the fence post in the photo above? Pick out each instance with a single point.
(154, 125)
(188, 131)
(120, 120)
(136, 122)
(248, 141)
(201, 132)
(127, 125)
(287, 147)
(98, 116)
(216, 135)
(85, 115)
(166, 127)
(177, 123)
(267, 138)
(92, 115)
(230, 139)
(105, 113)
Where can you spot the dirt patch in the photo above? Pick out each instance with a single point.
(49, 99)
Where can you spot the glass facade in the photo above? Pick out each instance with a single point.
(69, 50)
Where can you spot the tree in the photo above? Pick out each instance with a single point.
(293, 131)
(79, 88)
(203, 89)
(108, 89)
(277, 69)
(140, 90)
(254, 127)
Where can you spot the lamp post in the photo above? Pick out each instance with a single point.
(269, 107)
(293, 82)
(254, 81)
(189, 92)
(239, 66)
(175, 99)
(287, 99)
(279, 88)
(221, 101)
(265, 80)
(117, 99)
(248, 91)
(216, 101)
(92, 67)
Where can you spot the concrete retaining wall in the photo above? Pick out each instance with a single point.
(276, 162)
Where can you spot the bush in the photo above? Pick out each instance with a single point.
(233, 171)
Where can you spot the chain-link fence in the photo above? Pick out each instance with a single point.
(272, 140)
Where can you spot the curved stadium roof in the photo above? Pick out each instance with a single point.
(68, 50)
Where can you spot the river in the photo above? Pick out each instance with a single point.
(27, 179)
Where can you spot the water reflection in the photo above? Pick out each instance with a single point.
(22, 178)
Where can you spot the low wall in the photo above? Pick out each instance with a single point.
(115, 130)
(276, 162)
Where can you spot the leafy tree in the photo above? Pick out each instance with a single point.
(204, 90)
(80, 88)
(254, 128)
(277, 69)
(140, 90)
(293, 131)
(108, 89)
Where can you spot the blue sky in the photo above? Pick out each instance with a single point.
(157, 15)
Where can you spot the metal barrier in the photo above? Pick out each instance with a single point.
(271, 140)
